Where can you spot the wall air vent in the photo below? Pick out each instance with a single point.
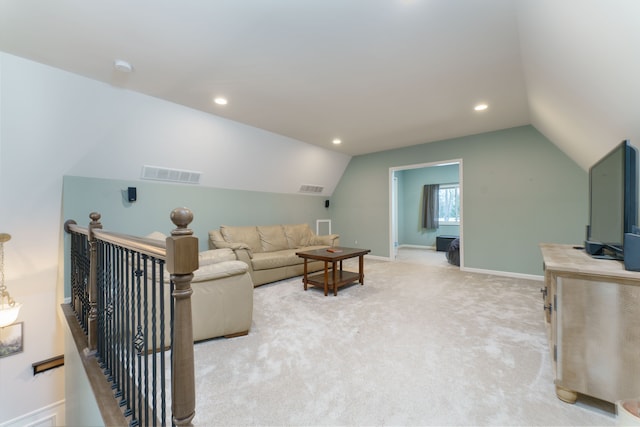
(157, 173)
(315, 189)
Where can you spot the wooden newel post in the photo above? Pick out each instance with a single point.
(92, 321)
(182, 261)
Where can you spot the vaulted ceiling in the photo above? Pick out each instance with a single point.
(377, 74)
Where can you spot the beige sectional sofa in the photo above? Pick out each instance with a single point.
(270, 251)
(222, 299)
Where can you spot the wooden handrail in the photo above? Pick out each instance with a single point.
(151, 247)
(72, 226)
(154, 248)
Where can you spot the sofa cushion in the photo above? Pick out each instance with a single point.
(267, 260)
(216, 240)
(298, 235)
(272, 238)
(214, 256)
(285, 258)
(247, 235)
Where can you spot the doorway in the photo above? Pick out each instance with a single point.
(401, 208)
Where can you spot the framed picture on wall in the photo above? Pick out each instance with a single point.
(11, 340)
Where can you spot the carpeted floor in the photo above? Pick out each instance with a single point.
(421, 343)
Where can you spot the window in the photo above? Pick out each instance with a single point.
(449, 204)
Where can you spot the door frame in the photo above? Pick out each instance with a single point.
(394, 208)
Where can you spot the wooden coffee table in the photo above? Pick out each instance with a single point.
(335, 276)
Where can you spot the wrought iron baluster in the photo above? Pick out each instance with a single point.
(129, 325)
(144, 386)
(138, 344)
(117, 318)
(161, 290)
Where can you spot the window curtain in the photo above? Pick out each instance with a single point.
(430, 206)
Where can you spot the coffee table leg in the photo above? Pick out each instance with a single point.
(361, 269)
(326, 278)
(335, 279)
(304, 277)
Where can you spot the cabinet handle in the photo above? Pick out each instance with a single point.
(549, 307)
(544, 293)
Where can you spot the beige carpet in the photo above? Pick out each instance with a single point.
(421, 343)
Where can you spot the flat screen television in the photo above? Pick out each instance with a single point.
(613, 202)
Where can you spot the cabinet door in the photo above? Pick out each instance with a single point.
(598, 338)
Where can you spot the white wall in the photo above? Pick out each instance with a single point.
(581, 65)
(53, 123)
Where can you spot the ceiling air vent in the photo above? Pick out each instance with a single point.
(174, 175)
(311, 189)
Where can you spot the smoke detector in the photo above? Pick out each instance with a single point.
(122, 66)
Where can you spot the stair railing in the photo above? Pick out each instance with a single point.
(124, 305)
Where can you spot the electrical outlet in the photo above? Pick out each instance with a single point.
(355, 242)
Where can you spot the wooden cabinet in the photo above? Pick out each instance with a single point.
(592, 313)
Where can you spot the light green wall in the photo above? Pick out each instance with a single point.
(211, 207)
(410, 188)
(518, 190)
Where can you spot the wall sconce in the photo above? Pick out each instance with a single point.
(9, 309)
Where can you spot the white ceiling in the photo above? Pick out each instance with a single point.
(379, 74)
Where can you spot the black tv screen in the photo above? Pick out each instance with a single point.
(613, 201)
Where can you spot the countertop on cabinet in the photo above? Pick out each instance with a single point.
(573, 260)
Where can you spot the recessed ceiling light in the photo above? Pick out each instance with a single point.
(337, 141)
(122, 66)
(481, 107)
(220, 100)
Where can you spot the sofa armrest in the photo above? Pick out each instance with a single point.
(326, 240)
(245, 255)
(216, 241)
(220, 244)
(219, 270)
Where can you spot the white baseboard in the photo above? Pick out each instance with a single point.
(504, 273)
(470, 270)
(48, 416)
(379, 258)
(417, 247)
